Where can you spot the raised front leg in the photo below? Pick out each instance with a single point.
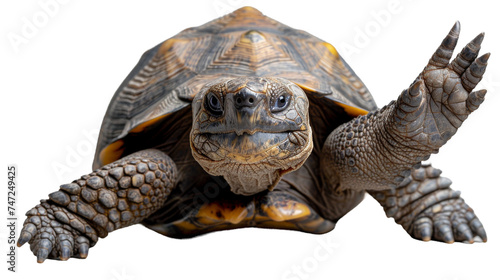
(117, 195)
(427, 208)
(379, 149)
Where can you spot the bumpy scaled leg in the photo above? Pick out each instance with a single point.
(117, 195)
(427, 208)
(379, 149)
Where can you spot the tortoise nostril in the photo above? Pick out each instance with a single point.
(246, 98)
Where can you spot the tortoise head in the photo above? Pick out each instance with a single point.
(251, 131)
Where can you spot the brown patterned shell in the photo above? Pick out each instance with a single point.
(243, 43)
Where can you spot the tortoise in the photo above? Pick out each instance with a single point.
(246, 122)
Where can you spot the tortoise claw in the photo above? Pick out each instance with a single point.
(464, 233)
(467, 55)
(65, 247)
(423, 229)
(42, 255)
(26, 234)
(476, 226)
(83, 246)
(443, 54)
(410, 108)
(65, 253)
(475, 99)
(43, 248)
(474, 72)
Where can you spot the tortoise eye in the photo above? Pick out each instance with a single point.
(213, 104)
(280, 103)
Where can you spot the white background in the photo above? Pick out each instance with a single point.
(57, 82)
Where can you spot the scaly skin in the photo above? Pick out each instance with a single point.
(115, 196)
(378, 150)
(374, 152)
(427, 208)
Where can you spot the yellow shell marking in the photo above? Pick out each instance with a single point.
(331, 49)
(291, 211)
(142, 126)
(214, 213)
(352, 111)
(112, 152)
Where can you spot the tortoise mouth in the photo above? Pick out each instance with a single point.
(249, 147)
(245, 147)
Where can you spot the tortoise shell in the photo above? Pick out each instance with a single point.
(243, 43)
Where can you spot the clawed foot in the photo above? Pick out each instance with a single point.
(53, 232)
(441, 98)
(428, 209)
(448, 221)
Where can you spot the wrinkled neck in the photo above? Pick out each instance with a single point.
(249, 183)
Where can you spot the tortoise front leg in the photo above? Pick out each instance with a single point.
(378, 150)
(427, 208)
(117, 195)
